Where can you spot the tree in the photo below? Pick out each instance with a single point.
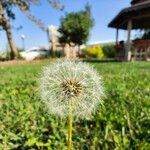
(75, 27)
(7, 14)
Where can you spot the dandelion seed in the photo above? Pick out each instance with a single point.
(71, 89)
(65, 81)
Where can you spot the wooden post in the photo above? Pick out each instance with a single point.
(128, 43)
(117, 35)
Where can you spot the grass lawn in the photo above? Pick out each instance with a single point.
(122, 124)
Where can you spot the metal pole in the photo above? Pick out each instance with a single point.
(23, 42)
(117, 35)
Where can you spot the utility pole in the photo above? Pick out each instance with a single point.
(23, 41)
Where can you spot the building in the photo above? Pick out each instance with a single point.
(137, 16)
(68, 51)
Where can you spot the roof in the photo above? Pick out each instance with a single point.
(137, 1)
(139, 13)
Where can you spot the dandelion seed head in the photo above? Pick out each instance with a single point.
(67, 81)
(72, 88)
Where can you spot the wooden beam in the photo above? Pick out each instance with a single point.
(141, 16)
(128, 43)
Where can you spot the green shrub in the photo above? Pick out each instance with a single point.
(5, 56)
(109, 50)
(59, 54)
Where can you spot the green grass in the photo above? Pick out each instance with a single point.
(122, 124)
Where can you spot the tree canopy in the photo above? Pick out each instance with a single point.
(75, 27)
(24, 5)
(8, 5)
(7, 14)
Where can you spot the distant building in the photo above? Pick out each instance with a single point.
(53, 36)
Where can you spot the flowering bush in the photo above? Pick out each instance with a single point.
(95, 52)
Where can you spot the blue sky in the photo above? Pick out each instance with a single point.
(103, 12)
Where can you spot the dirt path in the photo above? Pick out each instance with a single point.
(15, 62)
(11, 62)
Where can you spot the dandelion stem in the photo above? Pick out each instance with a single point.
(70, 120)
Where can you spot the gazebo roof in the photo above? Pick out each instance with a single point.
(139, 14)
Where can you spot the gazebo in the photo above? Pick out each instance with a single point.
(137, 16)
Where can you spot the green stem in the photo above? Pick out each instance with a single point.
(70, 120)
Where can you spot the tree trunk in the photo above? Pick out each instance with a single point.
(79, 51)
(53, 49)
(6, 26)
(12, 45)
